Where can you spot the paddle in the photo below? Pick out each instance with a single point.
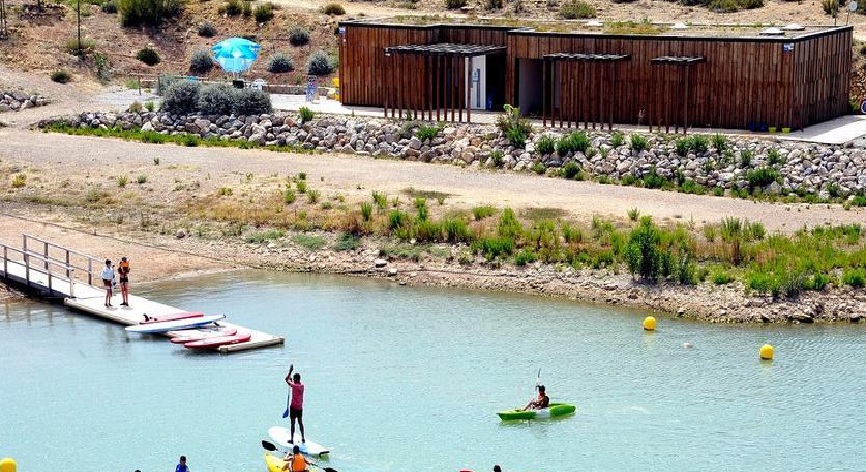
(289, 396)
(269, 446)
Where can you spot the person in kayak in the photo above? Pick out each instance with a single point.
(541, 401)
(295, 461)
(296, 408)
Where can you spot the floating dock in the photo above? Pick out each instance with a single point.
(55, 272)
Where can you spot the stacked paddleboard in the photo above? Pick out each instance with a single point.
(192, 329)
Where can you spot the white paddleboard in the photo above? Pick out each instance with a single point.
(281, 436)
(165, 326)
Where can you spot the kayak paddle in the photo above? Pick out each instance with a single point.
(269, 446)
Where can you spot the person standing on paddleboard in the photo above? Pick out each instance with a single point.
(296, 408)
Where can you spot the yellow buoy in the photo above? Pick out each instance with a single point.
(766, 351)
(649, 323)
(7, 464)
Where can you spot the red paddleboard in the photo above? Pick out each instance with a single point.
(173, 317)
(191, 335)
(210, 343)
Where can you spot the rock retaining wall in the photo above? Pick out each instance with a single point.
(802, 167)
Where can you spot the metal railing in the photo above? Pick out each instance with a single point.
(33, 262)
(71, 259)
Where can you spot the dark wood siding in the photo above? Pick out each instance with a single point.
(747, 81)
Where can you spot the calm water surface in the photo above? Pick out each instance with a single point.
(402, 379)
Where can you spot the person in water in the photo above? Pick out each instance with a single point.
(541, 401)
(181, 466)
(296, 408)
(295, 461)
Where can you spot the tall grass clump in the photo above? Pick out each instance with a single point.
(427, 133)
(148, 12)
(264, 12)
(61, 76)
(638, 142)
(333, 9)
(481, 212)
(207, 30)
(148, 56)
(545, 145)
(577, 9)
(305, 114)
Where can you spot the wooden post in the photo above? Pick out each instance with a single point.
(437, 80)
(461, 84)
(544, 88)
(469, 90)
(386, 69)
(454, 84)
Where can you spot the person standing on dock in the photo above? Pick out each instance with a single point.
(107, 280)
(123, 272)
(296, 408)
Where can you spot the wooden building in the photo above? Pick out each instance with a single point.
(585, 74)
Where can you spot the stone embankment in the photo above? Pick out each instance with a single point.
(801, 167)
(17, 101)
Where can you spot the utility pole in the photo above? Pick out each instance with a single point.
(80, 51)
(4, 33)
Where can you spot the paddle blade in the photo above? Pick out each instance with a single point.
(286, 414)
(268, 446)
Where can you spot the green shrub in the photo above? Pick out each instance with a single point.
(148, 12)
(479, 213)
(234, 7)
(545, 145)
(682, 146)
(280, 63)
(217, 99)
(494, 4)
(516, 137)
(498, 157)
(305, 114)
(633, 214)
(699, 143)
(347, 242)
(749, 4)
(181, 98)
(87, 46)
(720, 143)
(617, 139)
(721, 277)
(333, 9)
(313, 196)
(264, 236)
(524, 257)
(724, 6)
(397, 219)
(109, 7)
(320, 63)
(200, 62)
(141, 179)
(451, 4)
(289, 196)
(855, 277)
(576, 141)
(577, 9)
(654, 180)
(515, 127)
(859, 201)
(381, 199)
(148, 56)
(774, 157)
(264, 12)
(639, 143)
(247, 9)
(164, 81)
(366, 211)
(61, 76)
(642, 254)
(426, 133)
(571, 170)
(421, 207)
(251, 102)
(539, 168)
(299, 36)
(760, 178)
(135, 107)
(745, 158)
(19, 181)
(310, 242)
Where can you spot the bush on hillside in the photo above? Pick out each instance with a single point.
(164, 81)
(319, 63)
(207, 30)
(148, 56)
(109, 7)
(264, 12)
(494, 4)
(333, 9)
(299, 36)
(61, 76)
(181, 98)
(148, 12)
(216, 100)
(234, 7)
(251, 102)
(451, 4)
(201, 62)
(280, 63)
(577, 9)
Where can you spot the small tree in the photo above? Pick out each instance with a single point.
(642, 252)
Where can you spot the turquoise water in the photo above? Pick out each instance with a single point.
(404, 379)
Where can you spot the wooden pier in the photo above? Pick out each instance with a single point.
(56, 272)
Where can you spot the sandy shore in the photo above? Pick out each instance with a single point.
(72, 197)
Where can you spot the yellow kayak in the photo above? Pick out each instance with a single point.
(274, 463)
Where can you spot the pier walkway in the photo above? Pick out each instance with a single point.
(56, 272)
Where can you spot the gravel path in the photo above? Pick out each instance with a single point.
(355, 177)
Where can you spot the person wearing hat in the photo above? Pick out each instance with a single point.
(107, 280)
(123, 272)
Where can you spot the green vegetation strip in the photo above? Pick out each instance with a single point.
(182, 139)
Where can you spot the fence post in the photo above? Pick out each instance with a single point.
(5, 261)
(27, 268)
(89, 271)
(68, 272)
(71, 285)
(45, 254)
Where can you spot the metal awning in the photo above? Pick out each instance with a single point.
(678, 60)
(586, 57)
(446, 49)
